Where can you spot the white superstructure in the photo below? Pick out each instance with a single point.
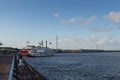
(40, 51)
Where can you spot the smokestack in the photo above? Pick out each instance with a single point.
(56, 43)
(46, 43)
(42, 43)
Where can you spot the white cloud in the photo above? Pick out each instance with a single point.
(90, 42)
(103, 29)
(79, 20)
(56, 14)
(108, 40)
(86, 40)
(71, 20)
(69, 43)
(89, 39)
(69, 39)
(87, 20)
(114, 16)
(104, 40)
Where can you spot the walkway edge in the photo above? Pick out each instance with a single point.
(11, 70)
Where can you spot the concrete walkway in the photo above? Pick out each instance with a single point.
(5, 66)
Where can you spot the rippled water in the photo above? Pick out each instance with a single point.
(78, 66)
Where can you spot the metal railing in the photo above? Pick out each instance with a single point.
(35, 73)
(11, 71)
(15, 72)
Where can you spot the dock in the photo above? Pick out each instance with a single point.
(5, 67)
(11, 70)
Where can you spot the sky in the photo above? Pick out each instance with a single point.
(86, 24)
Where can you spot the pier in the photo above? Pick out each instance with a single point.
(11, 70)
(5, 67)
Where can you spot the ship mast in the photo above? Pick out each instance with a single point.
(56, 43)
(46, 43)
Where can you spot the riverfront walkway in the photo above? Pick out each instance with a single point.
(10, 69)
(5, 66)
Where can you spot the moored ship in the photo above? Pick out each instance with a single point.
(40, 51)
(26, 50)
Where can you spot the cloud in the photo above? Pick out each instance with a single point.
(108, 41)
(69, 39)
(103, 29)
(104, 40)
(71, 20)
(114, 17)
(87, 20)
(56, 14)
(91, 42)
(89, 39)
(118, 28)
(79, 20)
(86, 40)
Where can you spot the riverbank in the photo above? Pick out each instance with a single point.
(83, 50)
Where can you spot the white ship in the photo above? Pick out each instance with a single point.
(40, 51)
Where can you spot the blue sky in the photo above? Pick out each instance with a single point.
(78, 23)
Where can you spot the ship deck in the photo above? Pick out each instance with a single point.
(5, 66)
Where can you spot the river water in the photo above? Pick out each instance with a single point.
(78, 66)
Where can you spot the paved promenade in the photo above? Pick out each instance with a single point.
(5, 66)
